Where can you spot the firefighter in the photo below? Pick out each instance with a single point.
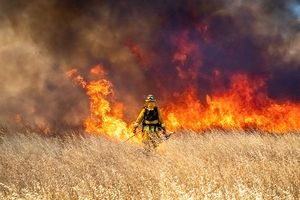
(152, 124)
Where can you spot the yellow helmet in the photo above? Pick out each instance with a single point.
(150, 98)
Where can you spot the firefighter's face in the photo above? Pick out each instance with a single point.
(150, 104)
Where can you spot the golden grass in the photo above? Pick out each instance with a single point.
(214, 165)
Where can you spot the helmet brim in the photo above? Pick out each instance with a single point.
(147, 100)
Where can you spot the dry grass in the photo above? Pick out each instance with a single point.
(189, 166)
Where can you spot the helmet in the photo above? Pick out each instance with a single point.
(150, 98)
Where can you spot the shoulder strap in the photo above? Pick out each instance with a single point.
(145, 111)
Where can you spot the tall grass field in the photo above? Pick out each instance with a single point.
(209, 165)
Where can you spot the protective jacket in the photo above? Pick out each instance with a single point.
(150, 117)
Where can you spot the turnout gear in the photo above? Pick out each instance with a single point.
(150, 116)
(152, 124)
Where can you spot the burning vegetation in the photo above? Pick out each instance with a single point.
(211, 64)
(244, 105)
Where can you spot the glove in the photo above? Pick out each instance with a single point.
(135, 127)
(134, 130)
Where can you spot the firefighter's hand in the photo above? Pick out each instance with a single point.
(135, 126)
(134, 129)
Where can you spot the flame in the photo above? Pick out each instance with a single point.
(106, 114)
(98, 70)
(243, 106)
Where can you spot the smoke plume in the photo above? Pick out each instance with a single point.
(159, 47)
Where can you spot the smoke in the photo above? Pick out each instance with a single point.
(160, 47)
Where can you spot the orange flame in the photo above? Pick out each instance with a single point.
(241, 107)
(105, 112)
(98, 71)
(245, 105)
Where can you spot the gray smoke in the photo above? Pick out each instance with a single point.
(41, 40)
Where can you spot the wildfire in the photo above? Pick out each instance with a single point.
(245, 105)
(105, 112)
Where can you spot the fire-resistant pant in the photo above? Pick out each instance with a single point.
(151, 137)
